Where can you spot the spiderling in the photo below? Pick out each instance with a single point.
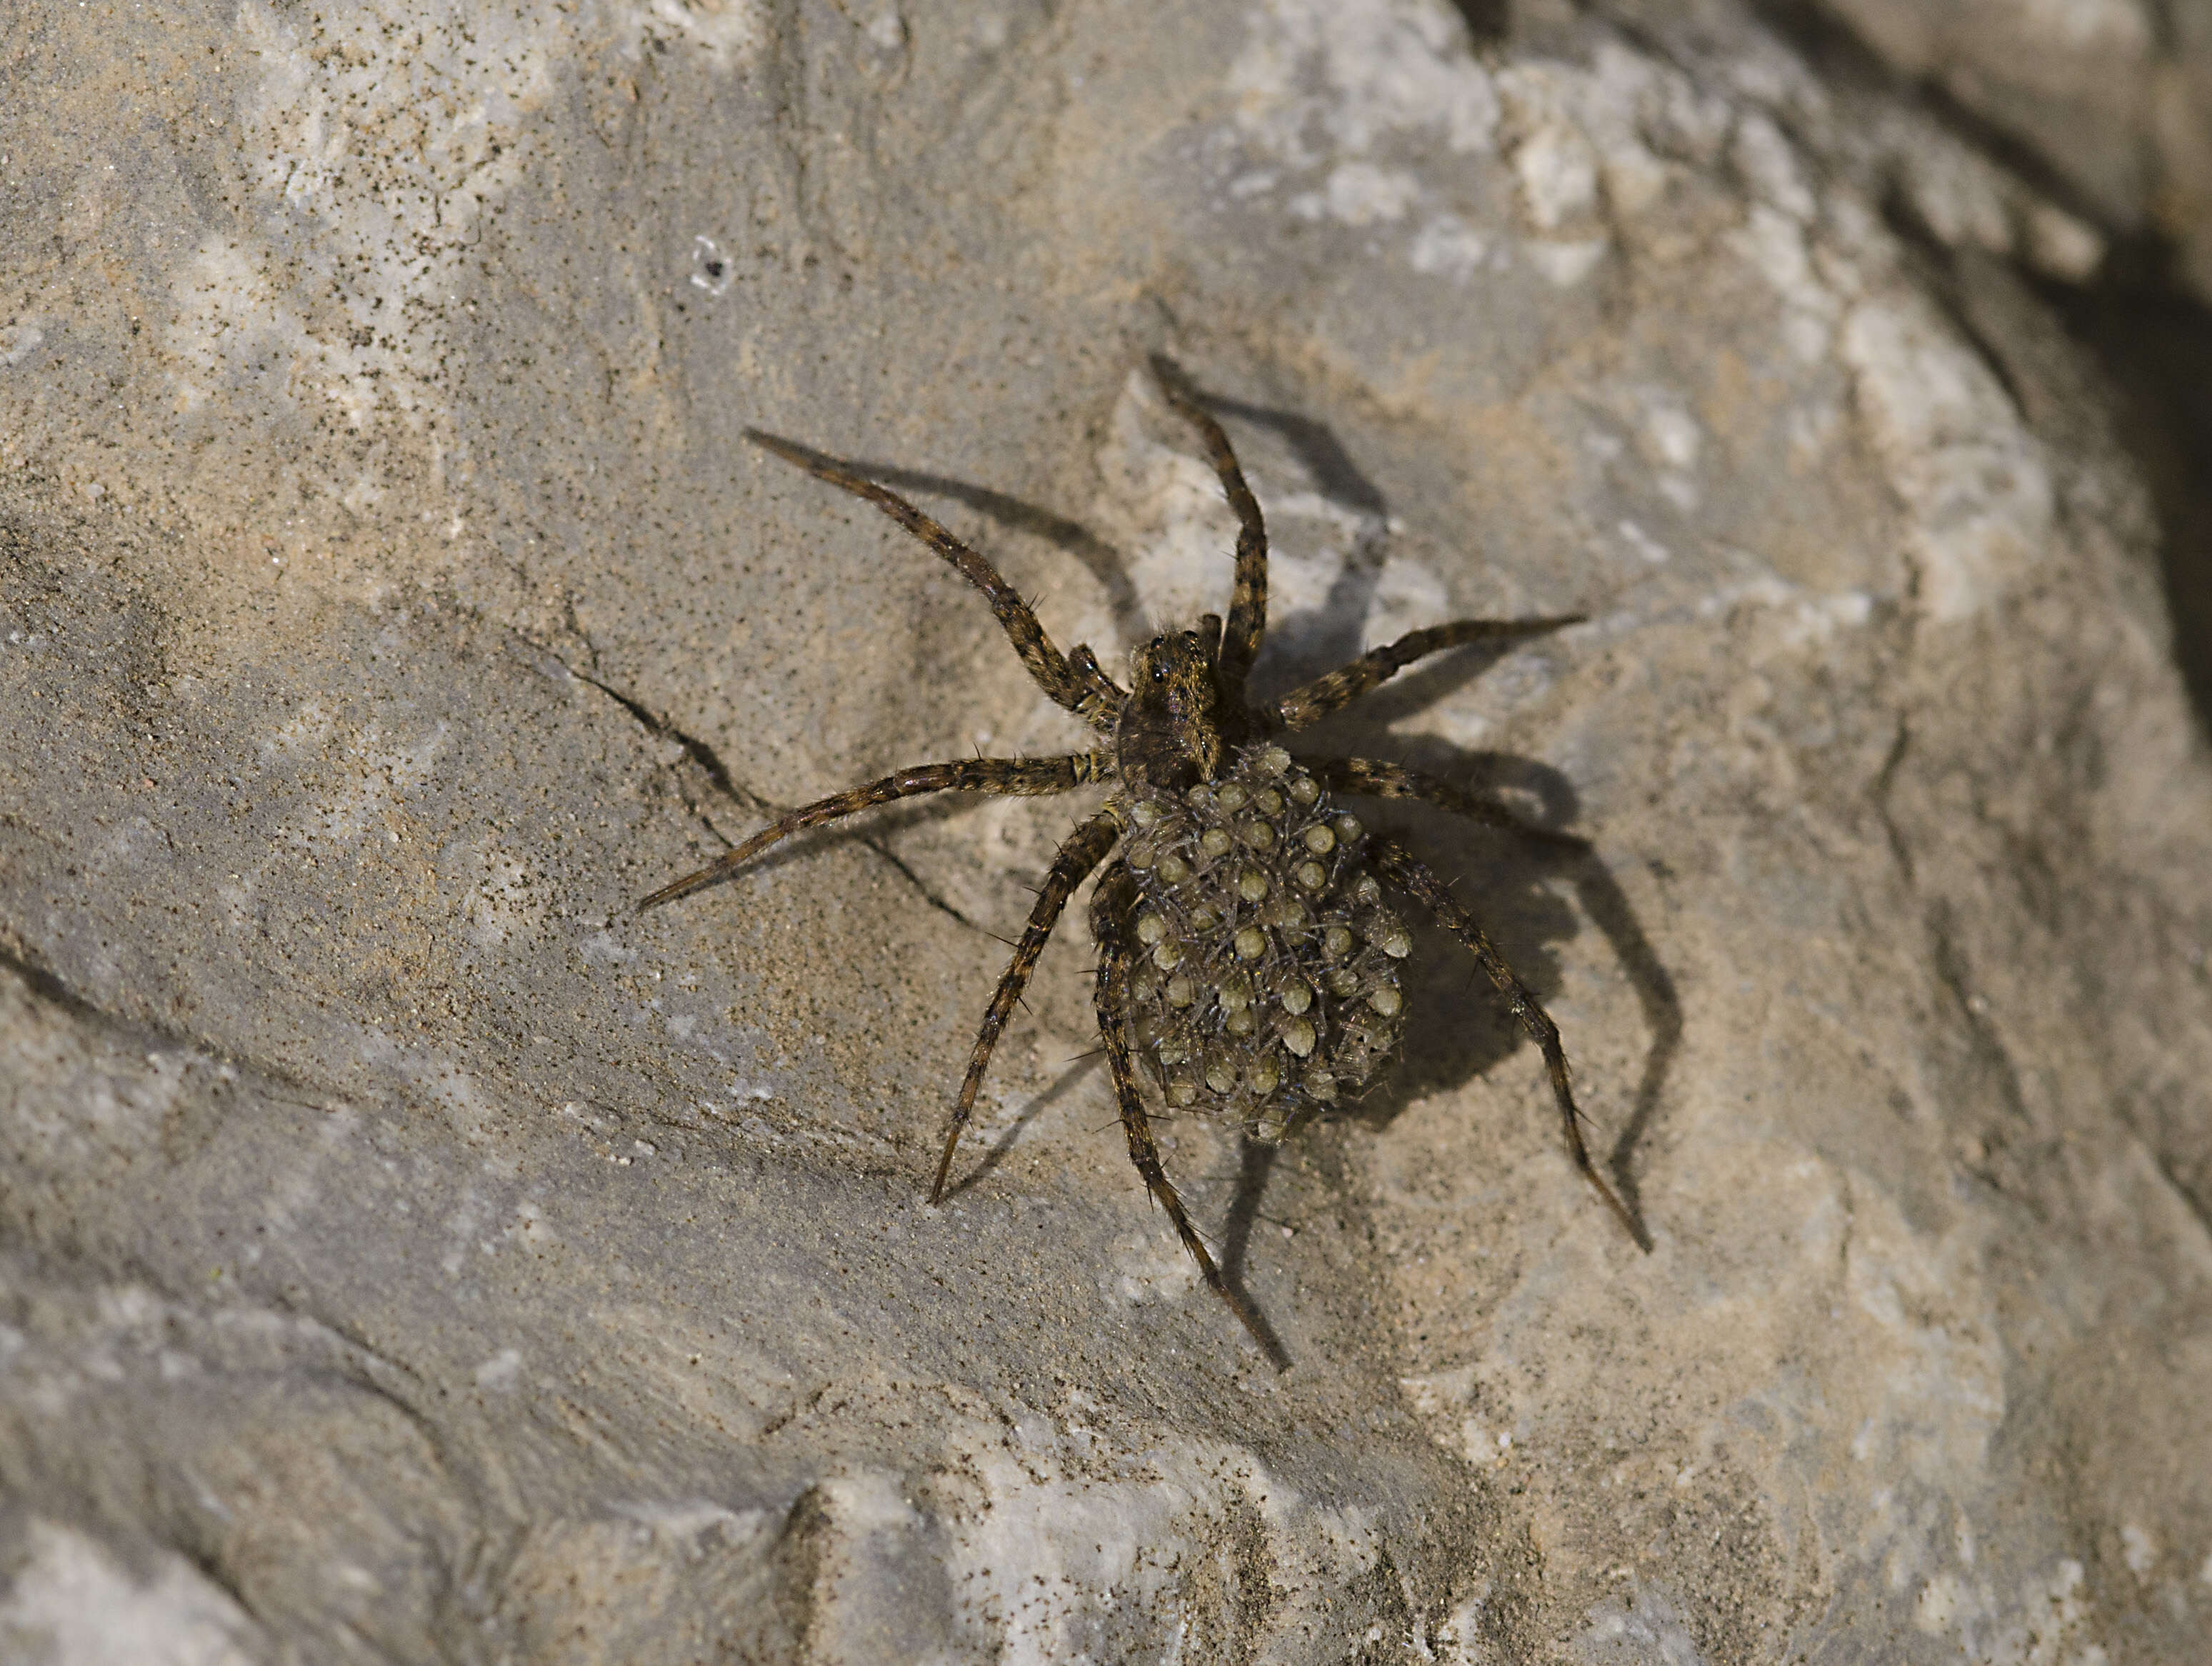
(1248, 950)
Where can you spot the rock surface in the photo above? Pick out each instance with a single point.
(409, 1254)
(2113, 98)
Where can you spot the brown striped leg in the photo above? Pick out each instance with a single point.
(1086, 847)
(1347, 683)
(1107, 909)
(1017, 777)
(1371, 778)
(1248, 606)
(1046, 662)
(1401, 868)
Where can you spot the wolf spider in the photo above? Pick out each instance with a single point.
(1246, 955)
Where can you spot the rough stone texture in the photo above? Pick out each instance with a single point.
(410, 1254)
(2113, 97)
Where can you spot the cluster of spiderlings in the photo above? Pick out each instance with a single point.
(1265, 978)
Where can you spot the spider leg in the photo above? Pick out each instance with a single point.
(1323, 695)
(1403, 870)
(1045, 662)
(1248, 606)
(1019, 777)
(1085, 849)
(1373, 778)
(1112, 998)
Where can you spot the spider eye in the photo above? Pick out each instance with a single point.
(1159, 672)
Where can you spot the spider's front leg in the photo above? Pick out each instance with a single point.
(1082, 688)
(1402, 869)
(1248, 604)
(1109, 908)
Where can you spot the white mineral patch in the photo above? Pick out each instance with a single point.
(437, 1077)
(1362, 194)
(1650, 1632)
(1971, 478)
(379, 774)
(1143, 1271)
(886, 29)
(1961, 196)
(386, 133)
(2043, 1621)
(2102, 28)
(1409, 593)
(2061, 245)
(22, 339)
(2138, 1549)
(1671, 436)
(1448, 247)
(1358, 76)
(72, 1605)
(1646, 546)
(1770, 165)
(1775, 245)
(305, 731)
(1564, 264)
(731, 31)
(1553, 162)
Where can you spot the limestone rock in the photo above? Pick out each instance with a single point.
(2113, 97)
(411, 1254)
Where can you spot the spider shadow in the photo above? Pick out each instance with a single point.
(1332, 629)
(1456, 1028)
(1056, 1090)
(1453, 1032)
(1103, 561)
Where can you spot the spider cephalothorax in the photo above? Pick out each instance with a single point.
(1248, 957)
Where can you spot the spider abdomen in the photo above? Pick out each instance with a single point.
(1265, 983)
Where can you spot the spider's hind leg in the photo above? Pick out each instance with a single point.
(1403, 870)
(1084, 848)
(1112, 996)
(1018, 777)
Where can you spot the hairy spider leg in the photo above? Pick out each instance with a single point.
(1371, 778)
(1014, 777)
(1083, 850)
(1248, 604)
(1059, 678)
(1409, 873)
(1323, 695)
(1108, 904)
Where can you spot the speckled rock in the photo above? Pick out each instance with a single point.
(411, 1254)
